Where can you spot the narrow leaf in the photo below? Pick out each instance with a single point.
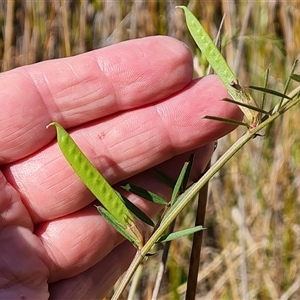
(269, 91)
(263, 101)
(135, 210)
(179, 234)
(178, 184)
(258, 109)
(167, 180)
(296, 77)
(182, 179)
(152, 197)
(230, 121)
(286, 86)
(188, 172)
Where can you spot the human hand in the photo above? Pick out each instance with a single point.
(129, 107)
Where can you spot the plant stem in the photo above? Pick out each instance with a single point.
(189, 194)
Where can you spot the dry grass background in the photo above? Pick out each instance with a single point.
(251, 246)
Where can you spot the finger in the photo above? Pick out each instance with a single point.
(97, 281)
(122, 146)
(86, 87)
(22, 256)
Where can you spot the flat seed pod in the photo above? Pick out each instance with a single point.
(97, 184)
(220, 66)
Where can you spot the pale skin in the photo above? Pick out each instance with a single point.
(129, 107)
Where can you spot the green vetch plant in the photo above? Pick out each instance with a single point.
(121, 213)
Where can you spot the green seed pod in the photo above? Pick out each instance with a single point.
(96, 183)
(219, 64)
